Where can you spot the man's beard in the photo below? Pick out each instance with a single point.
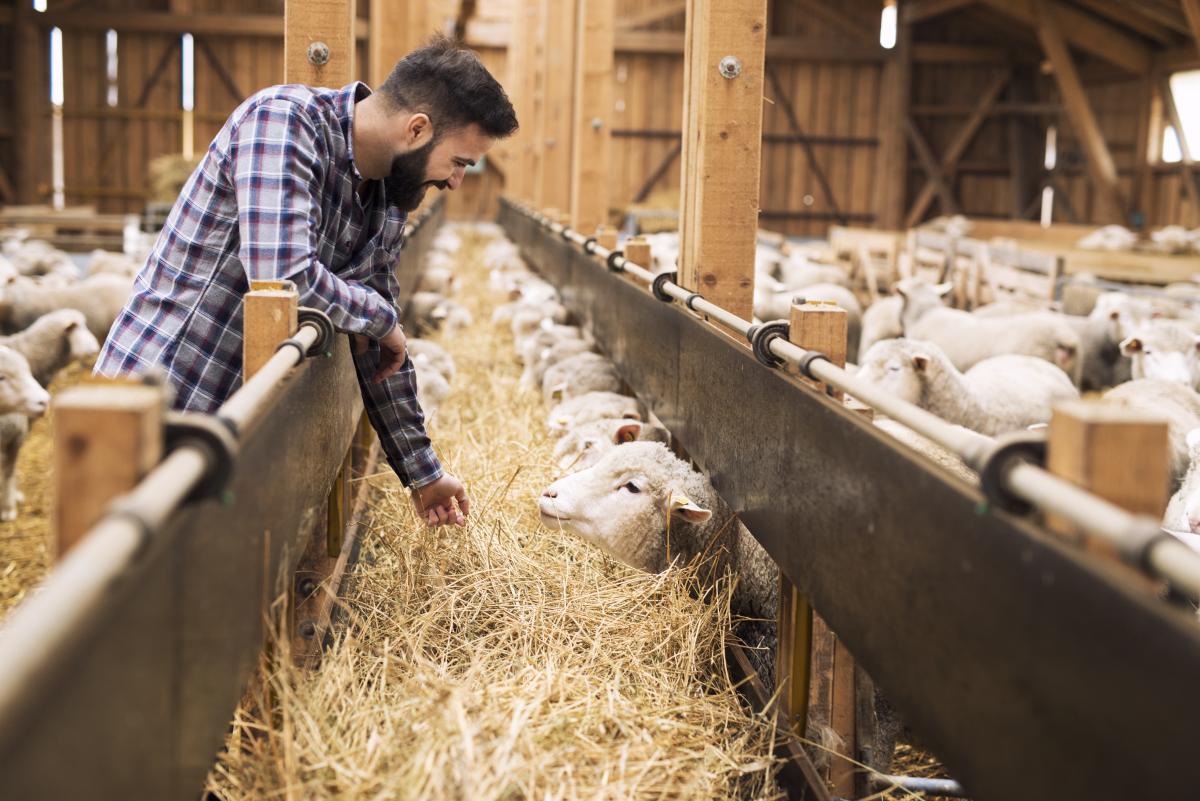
(405, 185)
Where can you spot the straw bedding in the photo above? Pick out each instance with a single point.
(503, 661)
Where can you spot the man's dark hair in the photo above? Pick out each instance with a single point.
(448, 83)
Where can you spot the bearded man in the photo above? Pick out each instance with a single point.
(313, 186)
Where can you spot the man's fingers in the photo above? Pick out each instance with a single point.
(442, 516)
(464, 503)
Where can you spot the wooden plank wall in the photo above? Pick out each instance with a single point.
(8, 100)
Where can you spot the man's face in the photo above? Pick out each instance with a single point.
(440, 164)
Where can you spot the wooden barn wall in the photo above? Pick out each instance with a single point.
(8, 106)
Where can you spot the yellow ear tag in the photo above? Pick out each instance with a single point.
(679, 501)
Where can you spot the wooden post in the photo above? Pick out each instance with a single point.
(308, 26)
(397, 28)
(637, 250)
(1116, 453)
(1100, 160)
(556, 118)
(821, 326)
(606, 237)
(592, 127)
(722, 132)
(107, 437)
(30, 101)
(270, 316)
(892, 159)
(512, 150)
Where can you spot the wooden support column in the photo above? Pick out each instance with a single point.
(1116, 453)
(722, 131)
(517, 179)
(271, 310)
(591, 151)
(1191, 9)
(1100, 161)
(107, 437)
(556, 119)
(331, 21)
(891, 192)
(30, 104)
(397, 27)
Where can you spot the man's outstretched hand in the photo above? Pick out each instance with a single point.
(435, 502)
(393, 350)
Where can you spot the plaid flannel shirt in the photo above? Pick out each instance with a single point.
(277, 196)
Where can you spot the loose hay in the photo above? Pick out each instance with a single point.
(505, 661)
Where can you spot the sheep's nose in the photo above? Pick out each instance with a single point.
(550, 493)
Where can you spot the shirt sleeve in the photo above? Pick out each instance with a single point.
(278, 164)
(392, 405)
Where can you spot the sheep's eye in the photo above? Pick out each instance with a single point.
(629, 485)
(587, 445)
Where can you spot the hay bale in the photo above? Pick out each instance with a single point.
(506, 660)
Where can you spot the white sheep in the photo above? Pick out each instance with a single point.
(429, 312)
(579, 374)
(432, 386)
(531, 315)
(529, 348)
(547, 357)
(21, 397)
(583, 446)
(35, 257)
(1176, 403)
(590, 406)
(967, 339)
(106, 261)
(434, 354)
(881, 320)
(999, 394)
(436, 279)
(798, 271)
(54, 341)
(645, 507)
(100, 298)
(1110, 237)
(1163, 349)
(1183, 512)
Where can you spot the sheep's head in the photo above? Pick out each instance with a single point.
(19, 392)
(81, 341)
(1157, 356)
(1192, 505)
(626, 503)
(587, 444)
(899, 366)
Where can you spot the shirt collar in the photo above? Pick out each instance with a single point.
(347, 96)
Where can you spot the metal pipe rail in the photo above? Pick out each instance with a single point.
(1138, 539)
(71, 597)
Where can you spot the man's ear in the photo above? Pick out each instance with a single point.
(419, 129)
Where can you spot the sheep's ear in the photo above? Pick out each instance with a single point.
(627, 433)
(920, 362)
(562, 421)
(439, 313)
(1114, 315)
(71, 326)
(943, 289)
(683, 507)
(1131, 346)
(631, 416)
(558, 390)
(901, 290)
(1193, 440)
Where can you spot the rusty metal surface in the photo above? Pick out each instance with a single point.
(1034, 670)
(140, 710)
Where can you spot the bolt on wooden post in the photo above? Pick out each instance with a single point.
(1119, 454)
(107, 437)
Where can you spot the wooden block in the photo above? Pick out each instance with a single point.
(637, 250)
(1116, 453)
(823, 327)
(107, 437)
(328, 22)
(606, 237)
(270, 317)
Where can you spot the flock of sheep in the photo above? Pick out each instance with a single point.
(53, 312)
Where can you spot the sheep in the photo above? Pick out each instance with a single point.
(100, 298)
(999, 394)
(54, 340)
(21, 397)
(1171, 239)
(429, 312)
(432, 386)
(1162, 349)
(590, 406)
(580, 374)
(1179, 405)
(1183, 512)
(935, 452)
(583, 446)
(529, 316)
(967, 339)
(881, 320)
(798, 272)
(35, 257)
(1008, 308)
(105, 261)
(436, 279)
(530, 347)
(1110, 238)
(435, 355)
(536, 367)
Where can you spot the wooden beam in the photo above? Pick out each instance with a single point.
(1129, 17)
(793, 48)
(658, 172)
(591, 150)
(648, 16)
(722, 151)
(1082, 30)
(316, 21)
(259, 25)
(809, 154)
(958, 146)
(556, 120)
(1191, 10)
(536, 81)
(1100, 161)
(397, 28)
(921, 10)
(933, 170)
(834, 16)
(891, 164)
(29, 104)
